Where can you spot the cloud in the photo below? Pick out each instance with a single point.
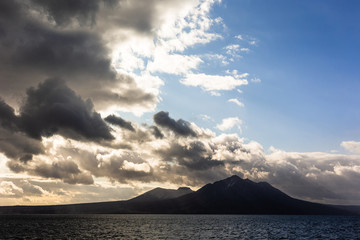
(205, 117)
(31, 189)
(86, 43)
(38, 49)
(118, 121)
(194, 156)
(234, 50)
(179, 127)
(13, 142)
(42, 192)
(322, 173)
(54, 108)
(9, 189)
(173, 63)
(7, 116)
(67, 171)
(236, 101)
(156, 131)
(121, 166)
(178, 26)
(137, 167)
(193, 161)
(217, 58)
(240, 37)
(47, 39)
(351, 146)
(229, 123)
(213, 82)
(255, 80)
(50, 109)
(17, 145)
(64, 12)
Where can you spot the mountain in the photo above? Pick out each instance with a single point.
(232, 195)
(243, 196)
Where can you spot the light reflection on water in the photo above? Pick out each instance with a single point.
(178, 227)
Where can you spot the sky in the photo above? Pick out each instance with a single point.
(104, 100)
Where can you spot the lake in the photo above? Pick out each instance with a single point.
(178, 227)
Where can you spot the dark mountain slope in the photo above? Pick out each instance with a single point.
(238, 196)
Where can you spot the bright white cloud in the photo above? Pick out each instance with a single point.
(351, 146)
(215, 93)
(180, 25)
(217, 57)
(177, 26)
(236, 101)
(173, 63)
(213, 82)
(236, 73)
(229, 123)
(138, 167)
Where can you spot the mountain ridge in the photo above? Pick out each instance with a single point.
(232, 195)
(162, 194)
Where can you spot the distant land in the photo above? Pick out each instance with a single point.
(232, 195)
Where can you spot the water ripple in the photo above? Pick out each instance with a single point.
(178, 227)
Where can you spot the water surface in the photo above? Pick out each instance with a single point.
(178, 227)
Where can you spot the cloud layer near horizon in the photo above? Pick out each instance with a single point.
(72, 143)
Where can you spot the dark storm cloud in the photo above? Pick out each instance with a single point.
(156, 131)
(8, 118)
(142, 16)
(67, 171)
(179, 127)
(54, 108)
(193, 156)
(143, 23)
(9, 9)
(119, 122)
(61, 53)
(63, 12)
(13, 143)
(32, 45)
(32, 48)
(17, 145)
(50, 109)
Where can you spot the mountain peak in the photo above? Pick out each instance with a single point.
(231, 181)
